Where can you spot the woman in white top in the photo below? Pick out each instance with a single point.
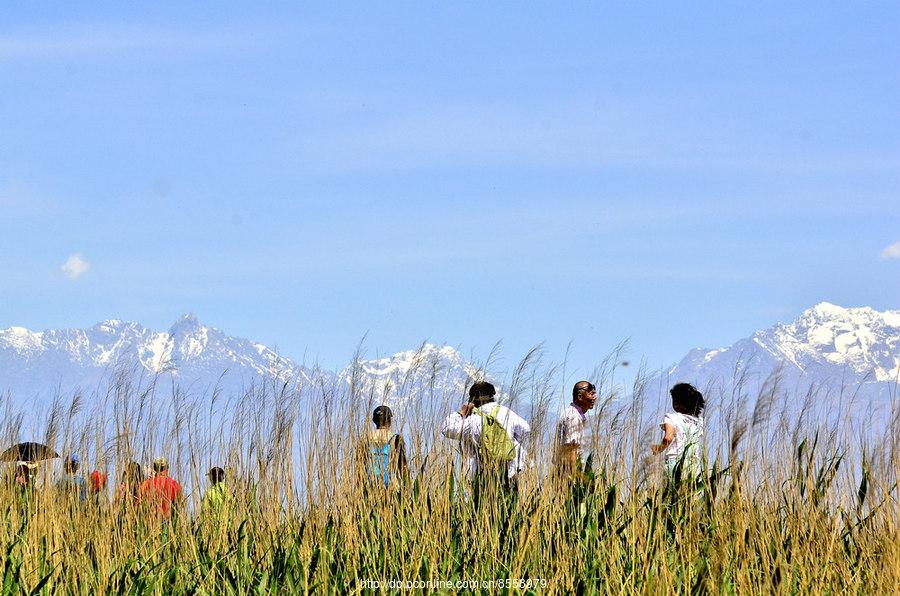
(683, 433)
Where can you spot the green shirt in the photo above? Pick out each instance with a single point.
(216, 499)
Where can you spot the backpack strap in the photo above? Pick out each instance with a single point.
(493, 426)
(491, 417)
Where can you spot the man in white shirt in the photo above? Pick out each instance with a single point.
(462, 426)
(571, 432)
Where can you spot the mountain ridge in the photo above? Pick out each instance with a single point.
(826, 344)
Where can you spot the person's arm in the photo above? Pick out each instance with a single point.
(453, 424)
(668, 437)
(566, 445)
(402, 465)
(520, 427)
(565, 431)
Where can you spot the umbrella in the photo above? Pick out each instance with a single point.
(28, 452)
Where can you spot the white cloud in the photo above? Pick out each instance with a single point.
(75, 267)
(891, 251)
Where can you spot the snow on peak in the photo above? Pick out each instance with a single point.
(21, 339)
(38, 363)
(186, 323)
(827, 313)
(826, 309)
(109, 323)
(19, 332)
(156, 353)
(826, 341)
(392, 379)
(862, 338)
(402, 362)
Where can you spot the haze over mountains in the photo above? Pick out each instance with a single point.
(833, 348)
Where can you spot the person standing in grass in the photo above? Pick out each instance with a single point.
(97, 486)
(23, 485)
(385, 450)
(681, 445)
(492, 438)
(160, 493)
(216, 497)
(24, 477)
(72, 484)
(572, 436)
(128, 491)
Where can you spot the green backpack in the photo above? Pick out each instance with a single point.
(495, 441)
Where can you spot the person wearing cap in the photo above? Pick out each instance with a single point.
(572, 439)
(72, 484)
(160, 493)
(216, 497)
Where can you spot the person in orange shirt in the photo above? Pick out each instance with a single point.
(160, 493)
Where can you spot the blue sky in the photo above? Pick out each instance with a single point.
(465, 173)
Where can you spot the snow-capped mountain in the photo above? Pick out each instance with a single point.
(836, 351)
(432, 372)
(37, 365)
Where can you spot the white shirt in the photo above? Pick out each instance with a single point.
(468, 432)
(688, 436)
(573, 429)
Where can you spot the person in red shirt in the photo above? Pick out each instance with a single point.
(159, 493)
(97, 482)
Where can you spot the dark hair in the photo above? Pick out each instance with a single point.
(133, 474)
(216, 475)
(687, 400)
(482, 392)
(382, 416)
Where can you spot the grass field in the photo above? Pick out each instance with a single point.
(801, 508)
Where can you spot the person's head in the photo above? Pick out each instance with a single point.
(687, 400)
(382, 417)
(584, 394)
(216, 475)
(160, 466)
(481, 393)
(134, 473)
(72, 464)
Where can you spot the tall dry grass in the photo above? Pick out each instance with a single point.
(792, 502)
